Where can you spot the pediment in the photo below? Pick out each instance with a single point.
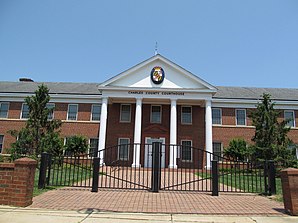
(175, 77)
(155, 128)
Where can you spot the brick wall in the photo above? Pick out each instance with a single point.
(115, 129)
(17, 182)
(83, 125)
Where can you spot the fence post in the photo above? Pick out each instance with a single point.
(271, 177)
(155, 177)
(214, 178)
(95, 177)
(266, 177)
(43, 170)
(49, 165)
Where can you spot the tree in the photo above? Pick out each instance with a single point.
(40, 134)
(271, 140)
(76, 145)
(237, 150)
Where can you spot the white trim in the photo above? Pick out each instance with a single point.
(294, 121)
(22, 109)
(128, 147)
(220, 112)
(5, 102)
(76, 112)
(91, 115)
(183, 123)
(166, 61)
(245, 124)
(160, 114)
(120, 118)
(191, 155)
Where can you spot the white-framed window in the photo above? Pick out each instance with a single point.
(123, 148)
(217, 151)
(51, 112)
(240, 117)
(72, 113)
(216, 116)
(186, 114)
(186, 150)
(155, 114)
(4, 107)
(93, 146)
(66, 152)
(125, 112)
(290, 115)
(25, 111)
(95, 112)
(1, 142)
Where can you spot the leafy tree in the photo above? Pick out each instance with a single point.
(237, 150)
(40, 134)
(271, 140)
(76, 145)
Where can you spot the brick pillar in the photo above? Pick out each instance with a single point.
(23, 182)
(6, 178)
(289, 179)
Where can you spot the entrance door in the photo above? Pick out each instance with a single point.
(148, 151)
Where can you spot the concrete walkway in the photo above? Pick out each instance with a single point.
(169, 202)
(31, 215)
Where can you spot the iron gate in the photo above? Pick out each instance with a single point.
(118, 167)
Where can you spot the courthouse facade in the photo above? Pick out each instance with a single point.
(154, 100)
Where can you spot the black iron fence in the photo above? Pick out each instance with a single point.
(155, 167)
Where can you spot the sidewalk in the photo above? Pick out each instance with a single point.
(31, 215)
(166, 202)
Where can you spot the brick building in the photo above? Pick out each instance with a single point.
(154, 100)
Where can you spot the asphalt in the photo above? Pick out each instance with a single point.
(34, 215)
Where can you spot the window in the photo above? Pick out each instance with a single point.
(51, 112)
(25, 111)
(67, 152)
(1, 142)
(93, 147)
(240, 117)
(217, 151)
(186, 151)
(123, 149)
(290, 115)
(125, 113)
(155, 114)
(95, 112)
(72, 112)
(186, 115)
(216, 116)
(4, 109)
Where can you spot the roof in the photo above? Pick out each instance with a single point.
(55, 87)
(289, 94)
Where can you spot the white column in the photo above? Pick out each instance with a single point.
(103, 128)
(208, 133)
(173, 134)
(137, 134)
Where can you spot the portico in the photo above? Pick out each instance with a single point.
(179, 93)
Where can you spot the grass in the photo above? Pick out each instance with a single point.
(67, 175)
(246, 182)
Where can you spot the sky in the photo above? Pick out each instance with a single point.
(249, 43)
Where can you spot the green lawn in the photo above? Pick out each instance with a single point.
(246, 182)
(66, 175)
